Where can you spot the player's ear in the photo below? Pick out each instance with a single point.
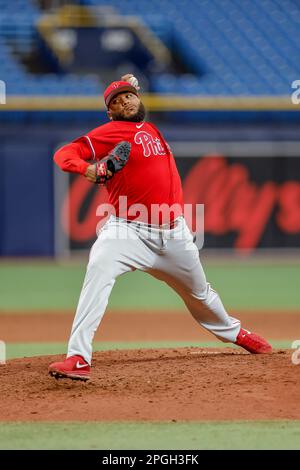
(109, 115)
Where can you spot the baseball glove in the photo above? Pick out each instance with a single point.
(114, 162)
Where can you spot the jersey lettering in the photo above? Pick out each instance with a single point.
(150, 145)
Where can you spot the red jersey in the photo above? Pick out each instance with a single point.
(150, 176)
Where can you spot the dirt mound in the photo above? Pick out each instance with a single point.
(156, 384)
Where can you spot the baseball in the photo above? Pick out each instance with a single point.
(134, 82)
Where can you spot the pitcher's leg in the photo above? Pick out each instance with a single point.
(209, 311)
(181, 268)
(109, 258)
(98, 283)
(204, 304)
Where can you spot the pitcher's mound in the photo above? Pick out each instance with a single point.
(156, 384)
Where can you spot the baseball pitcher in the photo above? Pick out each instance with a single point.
(131, 157)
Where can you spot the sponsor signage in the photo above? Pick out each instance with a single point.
(249, 202)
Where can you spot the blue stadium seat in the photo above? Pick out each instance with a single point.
(19, 81)
(250, 47)
(253, 45)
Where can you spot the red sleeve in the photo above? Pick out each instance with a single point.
(102, 139)
(72, 157)
(92, 146)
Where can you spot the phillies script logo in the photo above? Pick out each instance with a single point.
(233, 203)
(150, 145)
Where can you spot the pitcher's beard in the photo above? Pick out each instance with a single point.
(137, 117)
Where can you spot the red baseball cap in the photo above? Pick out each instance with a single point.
(115, 88)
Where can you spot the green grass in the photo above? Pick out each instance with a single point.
(152, 436)
(26, 286)
(15, 350)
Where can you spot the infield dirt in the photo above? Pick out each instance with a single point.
(140, 326)
(152, 384)
(158, 385)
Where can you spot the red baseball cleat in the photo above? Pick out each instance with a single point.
(73, 367)
(253, 343)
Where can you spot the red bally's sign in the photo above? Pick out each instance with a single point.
(233, 203)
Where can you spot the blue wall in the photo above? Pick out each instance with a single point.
(26, 196)
(26, 185)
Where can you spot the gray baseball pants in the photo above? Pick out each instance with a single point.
(168, 255)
